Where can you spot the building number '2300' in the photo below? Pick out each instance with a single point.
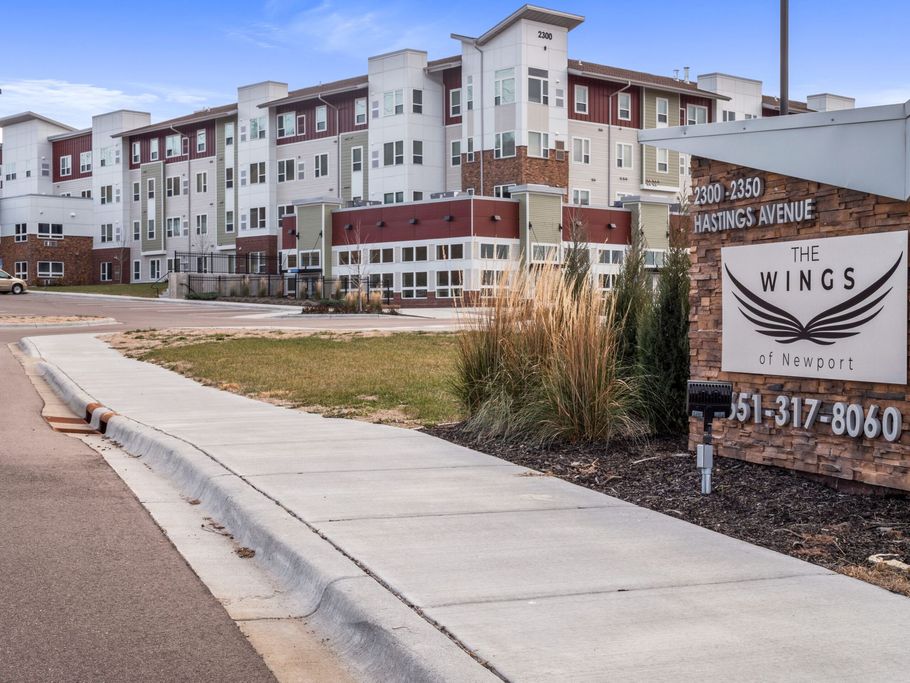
(850, 419)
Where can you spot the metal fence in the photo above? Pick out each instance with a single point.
(287, 286)
(255, 263)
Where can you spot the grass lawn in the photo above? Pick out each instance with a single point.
(137, 289)
(398, 378)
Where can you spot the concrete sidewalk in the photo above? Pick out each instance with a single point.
(491, 563)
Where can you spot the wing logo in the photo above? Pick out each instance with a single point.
(838, 322)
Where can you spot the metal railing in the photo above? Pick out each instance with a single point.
(297, 286)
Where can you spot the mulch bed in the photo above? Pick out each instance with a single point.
(764, 505)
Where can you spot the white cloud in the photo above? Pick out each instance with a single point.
(76, 103)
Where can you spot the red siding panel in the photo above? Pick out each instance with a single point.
(451, 78)
(597, 222)
(145, 139)
(345, 105)
(601, 101)
(73, 147)
(685, 100)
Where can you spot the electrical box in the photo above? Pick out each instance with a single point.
(709, 400)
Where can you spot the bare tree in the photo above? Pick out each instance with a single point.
(577, 264)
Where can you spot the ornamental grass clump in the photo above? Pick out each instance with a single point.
(540, 364)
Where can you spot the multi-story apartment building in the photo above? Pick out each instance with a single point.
(429, 177)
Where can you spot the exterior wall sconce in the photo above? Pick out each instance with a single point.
(380, 224)
(611, 226)
(495, 218)
(560, 227)
(293, 233)
(413, 221)
(448, 218)
(348, 226)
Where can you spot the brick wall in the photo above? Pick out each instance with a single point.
(75, 252)
(119, 258)
(267, 244)
(820, 452)
(518, 170)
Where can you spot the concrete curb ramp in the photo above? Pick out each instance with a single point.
(412, 552)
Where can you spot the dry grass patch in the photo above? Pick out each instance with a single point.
(400, 378)
(882, 576)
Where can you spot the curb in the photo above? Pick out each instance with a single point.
(96, 322)
(167, 300)
(368, 625)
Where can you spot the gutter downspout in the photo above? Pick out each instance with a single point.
(610, 140)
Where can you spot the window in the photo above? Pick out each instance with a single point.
(538, 144)
(729, 115)
(538, 86)
(663, 160)
(393, 103)
(150, 229)
(417, 101)
(503, 191)
(449, 284)
(228, 178)
(286, 169)
(360, 111)
(663, 112)
(136, 192)
(320, 165)
(393, 153)
(696, 114)
(86, 194)
(229, 133)
(683, 166)
(106, 270)
(52, 231)
(172, 186)
(623, 155)
(257, 218)
(20, 270)
(285, 210)
(107, 194)
(581, 99)
(607, 281)
(172, 226)
(153, 149)
(10, 170)
(202, 224)
(469, 93)
(256, 262)
(172, 146)
(349, 257)
(560, 98)
(455, 102)
(393, 198)
(414, 285)
(257, 172)
(257, 128)
(500, 252)
(417, 152)
(382, 255)
(445, 252)
(110, 155)
(135, 152)
(504, 145)
(322, 120)
(50, 268)
(137, 230)
(417, 196)
(581, 150)
(413, 254)
(581, 197)
(490, 281)
(200, 140)
(544, 253)
(66, 165)
(504, 86)
(456, 153)
(357, 159)
(301, 168)
(229, 221)
(202, 182)
(155, 268)
(310, 259)
(375, 109)
(750, 116)
(286, 125)
(137, 271)
(611, 256)
(21, 232)
(654, 258)
(107, 232)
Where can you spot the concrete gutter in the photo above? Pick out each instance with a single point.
(369, 626)
(165, 300)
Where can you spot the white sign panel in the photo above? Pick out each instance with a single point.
(829, 308)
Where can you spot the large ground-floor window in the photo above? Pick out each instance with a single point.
(414, 285)
(50, 268)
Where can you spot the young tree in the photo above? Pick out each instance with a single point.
(632, 294)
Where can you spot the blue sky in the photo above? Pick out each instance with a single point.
(69, 60)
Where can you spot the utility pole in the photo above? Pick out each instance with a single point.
(784, 57)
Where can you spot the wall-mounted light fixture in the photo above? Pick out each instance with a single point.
(348, 226)
(560, 227)
(611, 226)
(448, 218)
(293, 233)
(413, 221)
(495, 218)
(380, 224)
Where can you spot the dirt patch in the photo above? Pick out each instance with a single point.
(764, 505)
(10, 319)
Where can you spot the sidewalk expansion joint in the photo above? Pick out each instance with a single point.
(822, 573)
(383, 469)
(470, 514)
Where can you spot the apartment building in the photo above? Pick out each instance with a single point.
(428, 176)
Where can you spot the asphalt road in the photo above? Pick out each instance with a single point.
(90, 588)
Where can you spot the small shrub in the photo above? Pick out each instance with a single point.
(542, 364)
(202, 296)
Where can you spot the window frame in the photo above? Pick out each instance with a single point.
(578, 89)
(585, 151)
(657, 114)
(66, 169)
(665, 163)
(454, 107)
(621, 148)
(499, 146)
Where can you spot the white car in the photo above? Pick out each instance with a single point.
(8, 284)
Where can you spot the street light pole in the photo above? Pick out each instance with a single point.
(784, 57)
